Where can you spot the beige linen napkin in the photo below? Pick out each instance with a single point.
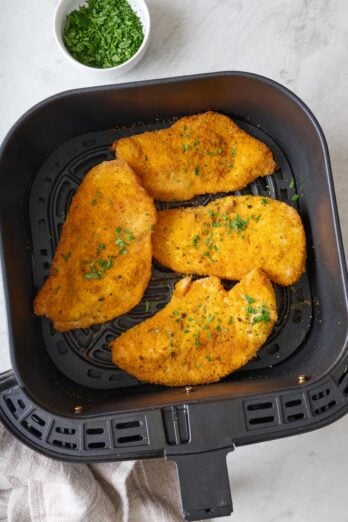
(36, 488)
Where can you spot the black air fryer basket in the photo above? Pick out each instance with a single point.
(64, 398)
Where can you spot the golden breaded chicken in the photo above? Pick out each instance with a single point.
(231, 236)
(102, 264)
(205, 153)
(203, 334)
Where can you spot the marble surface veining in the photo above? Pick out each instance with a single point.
(300, 43)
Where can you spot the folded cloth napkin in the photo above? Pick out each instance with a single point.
(36, 488)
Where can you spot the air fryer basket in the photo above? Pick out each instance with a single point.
(65, 398)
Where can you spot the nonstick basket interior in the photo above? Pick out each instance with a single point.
(84, 355)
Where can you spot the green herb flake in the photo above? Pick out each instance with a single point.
(67, 256)
(219, 151)
(94, 202)
(197, 171)
(250, 300)
(230, 321)
(292, 183)
(103, 33)
(295, 197)
(184, 147)
(196, 240)
(238, 224)
(264, 317)
(92, 275)
(208, 358)
(234, 152)
(147, 306)
(100, 247)
(218, 328)
(256, 218)
(264, 201)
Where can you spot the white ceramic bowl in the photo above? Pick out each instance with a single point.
(64, 7)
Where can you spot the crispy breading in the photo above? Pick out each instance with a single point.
(102, 263)
(231, 236)
(203, 334)
(204, 153)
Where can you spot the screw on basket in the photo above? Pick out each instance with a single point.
(302, 379)
(78, 409)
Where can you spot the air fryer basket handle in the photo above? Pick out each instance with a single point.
(204, 484)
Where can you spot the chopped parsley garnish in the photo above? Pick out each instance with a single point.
(100, 247)
(184, 147)
(175, 312)
(264, 201)
(256, 218)
(234, 152)
(103, 33)
(67, 256)
(208, 358)
(230, 321)
(197, 171)
(238, 224)
(295, 197)
(292, 183)
(264, 317)
(219, 151)
(250, 310)
(123, 239)
(147, 306)
(98, 268)
(94, 201)
(92, 275)
(196, 240)
(249, 299)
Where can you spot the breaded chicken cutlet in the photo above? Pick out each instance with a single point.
(204, 153)
(102, 263)
(231, 236)
(204, 333)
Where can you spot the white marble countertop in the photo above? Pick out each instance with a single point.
(300, 43)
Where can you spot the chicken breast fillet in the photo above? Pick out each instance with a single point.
(202, 335)
(102, 263)
(204, 153)
(231, 236)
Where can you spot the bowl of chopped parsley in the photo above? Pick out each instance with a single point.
(104, 36)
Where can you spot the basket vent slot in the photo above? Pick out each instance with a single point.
(176, 424)
(16, 405)
(64, 444)
(33, 430)
(261, 414)
(323, 399)
(125, 425)
(294, 408)
(325, 407)
(65, 431)
(96, 435)
(38, 420)
(64, 435)
(130, 431)
(129, 438)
